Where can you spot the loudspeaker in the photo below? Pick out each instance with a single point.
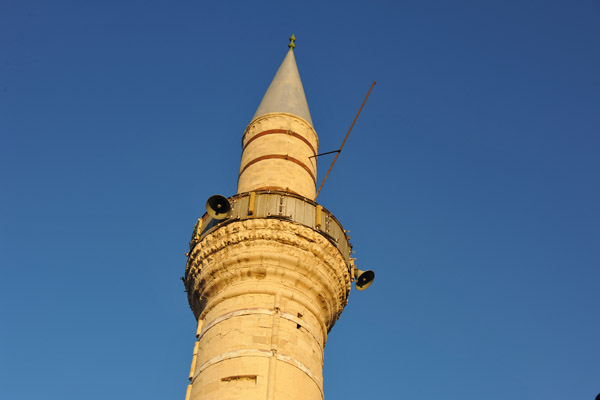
(218, 206)
(363, 278)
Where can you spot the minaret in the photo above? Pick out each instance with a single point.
(269, 270)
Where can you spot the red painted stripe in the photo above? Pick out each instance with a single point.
(280, 131)
(280, 157)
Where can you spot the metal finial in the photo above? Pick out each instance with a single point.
(292, 40)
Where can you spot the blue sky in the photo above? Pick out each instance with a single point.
(469, 184)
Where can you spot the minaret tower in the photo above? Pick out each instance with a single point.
(269, 270)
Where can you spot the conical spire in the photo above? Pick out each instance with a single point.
(285, 94)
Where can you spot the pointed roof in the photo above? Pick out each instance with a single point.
(285, 94)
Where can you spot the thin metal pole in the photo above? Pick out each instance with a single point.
(324, 154)
(344, 142)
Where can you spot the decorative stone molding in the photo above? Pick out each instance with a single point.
(270, 254)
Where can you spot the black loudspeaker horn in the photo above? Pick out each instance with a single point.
(363, 278)
(218, 206)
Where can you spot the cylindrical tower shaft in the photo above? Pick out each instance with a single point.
(279, 152)
(267, 291)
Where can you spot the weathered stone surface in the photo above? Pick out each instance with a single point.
(298, 142)
(267, 292)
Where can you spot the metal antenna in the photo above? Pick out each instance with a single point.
(344, 142)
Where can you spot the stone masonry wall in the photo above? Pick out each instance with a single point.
(265, 292)
(277, 150)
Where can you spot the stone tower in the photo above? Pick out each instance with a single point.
(269, 280)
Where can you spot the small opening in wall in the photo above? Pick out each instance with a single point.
(238, 378)
(298, 326)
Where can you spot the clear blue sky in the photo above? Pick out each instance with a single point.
(470, 184)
